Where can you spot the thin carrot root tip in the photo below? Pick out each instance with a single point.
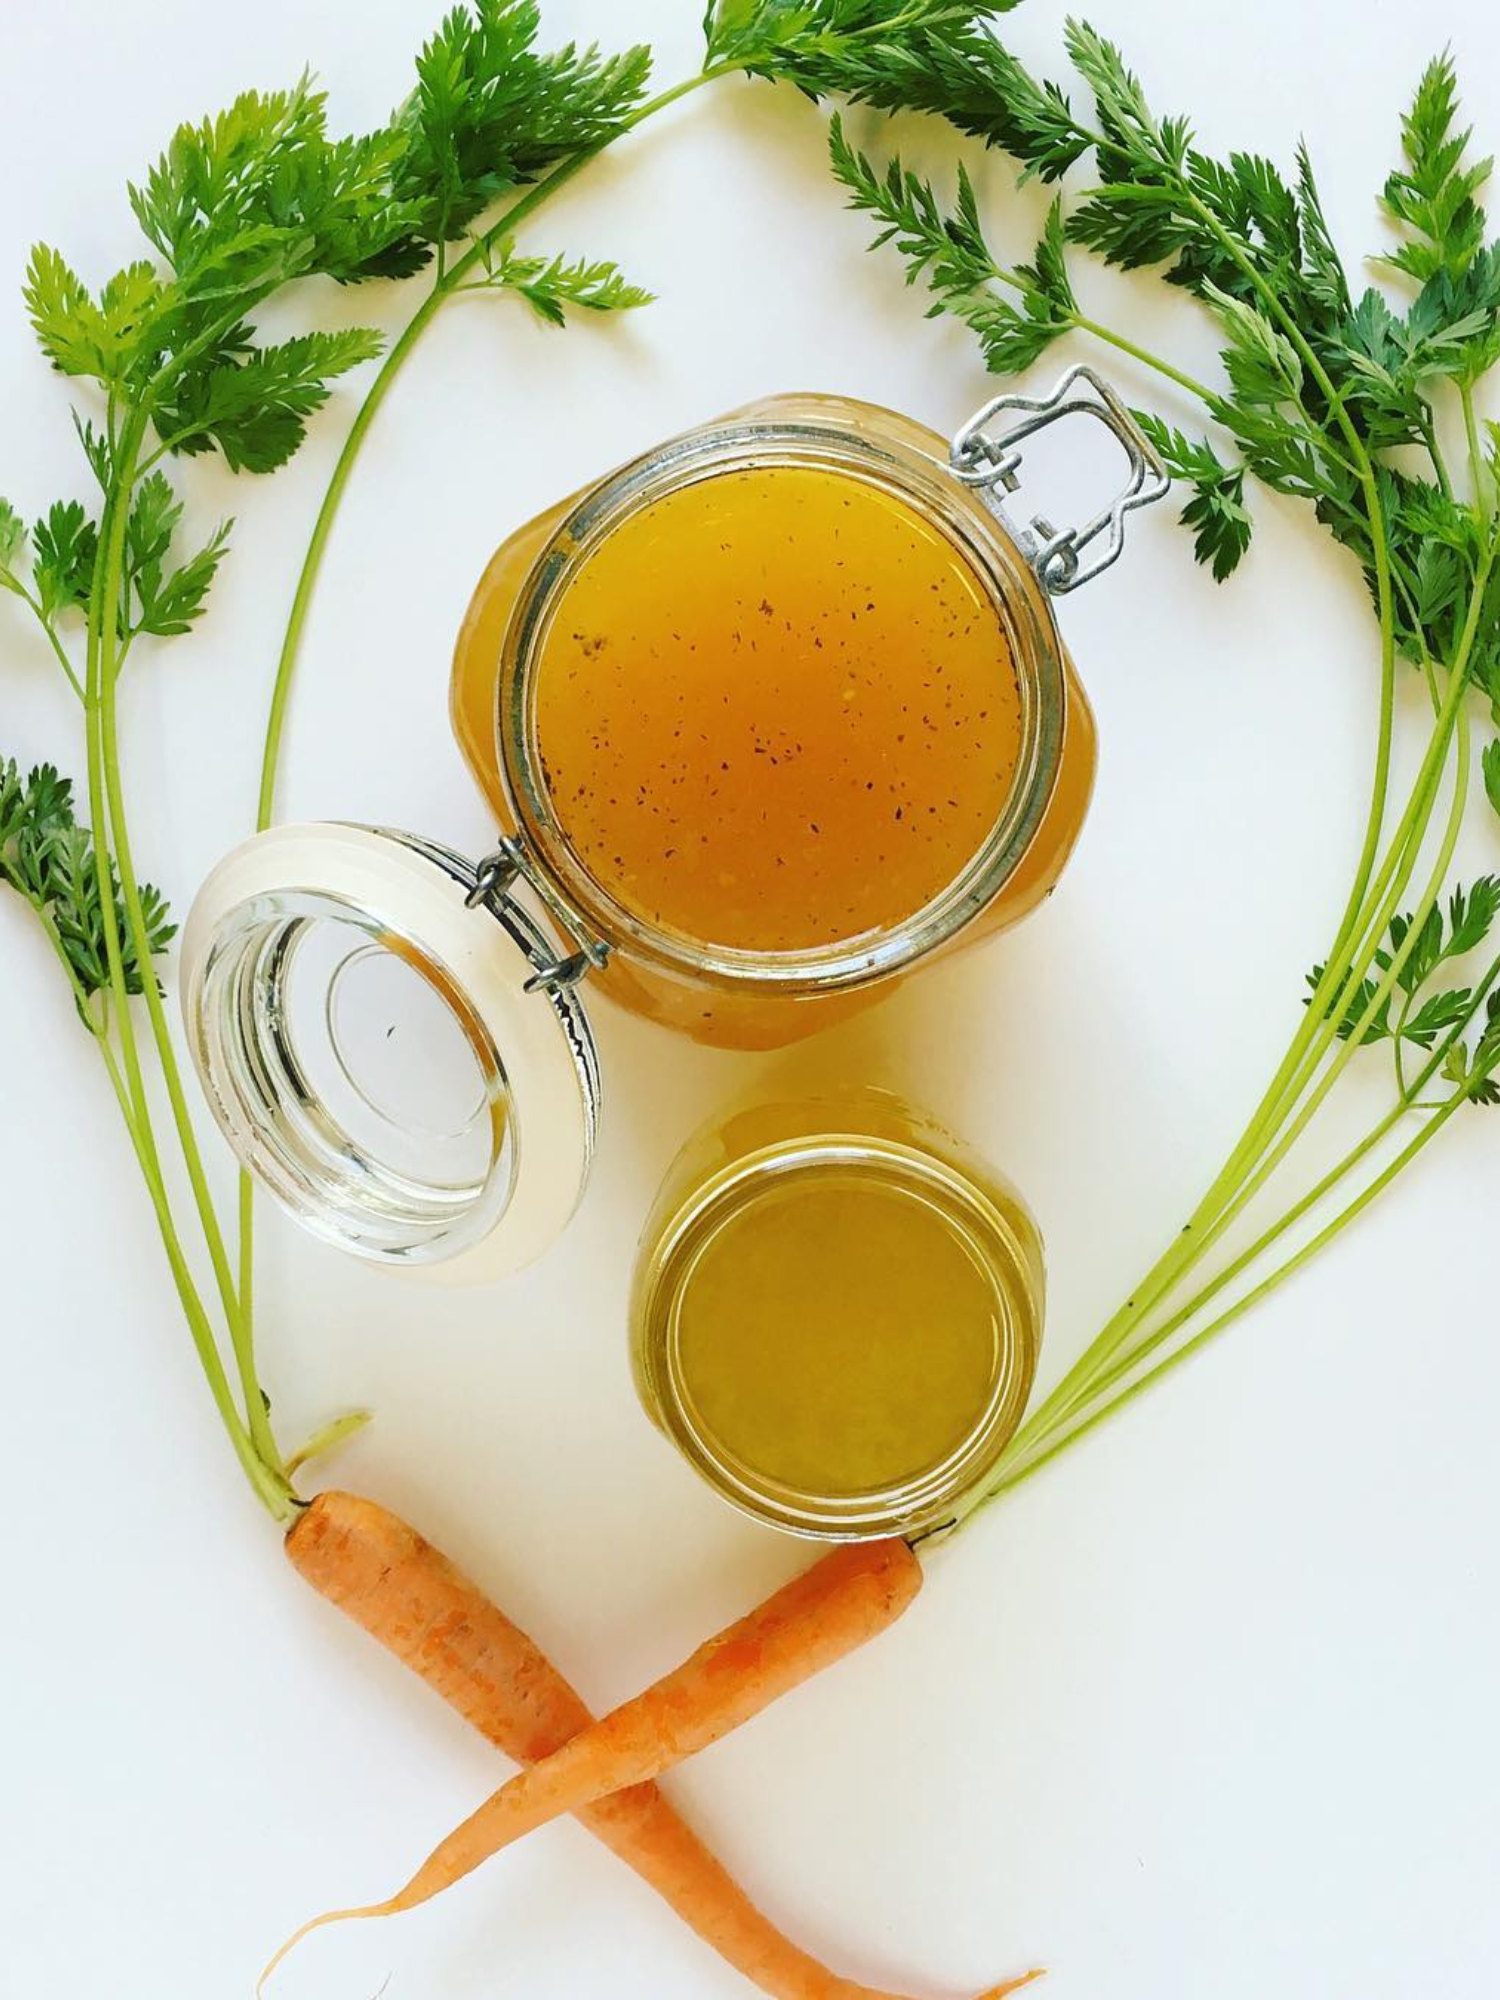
(284, 1951)
(1015, 1985)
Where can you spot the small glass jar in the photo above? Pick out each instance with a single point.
(836, 1315)
(395, 1039)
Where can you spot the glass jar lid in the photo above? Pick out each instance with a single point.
(392, 1046)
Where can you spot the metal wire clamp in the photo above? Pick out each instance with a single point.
(497, 874)
(990, 460)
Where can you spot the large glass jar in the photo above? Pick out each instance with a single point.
(781, 710)
(836, 1314)
(396, 1038)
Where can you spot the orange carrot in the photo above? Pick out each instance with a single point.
(406, 1594)
(828, 1611)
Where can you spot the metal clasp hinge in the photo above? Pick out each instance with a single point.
(497, 874)
(986, 460)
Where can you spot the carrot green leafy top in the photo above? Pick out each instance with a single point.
(1360, 403)
(239, 207)
(1348, 400)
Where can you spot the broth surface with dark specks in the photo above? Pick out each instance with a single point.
(777, 710)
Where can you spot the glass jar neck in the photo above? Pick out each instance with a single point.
(892, 455)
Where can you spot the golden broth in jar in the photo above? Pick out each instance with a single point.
(777, 709)
(837, 1314)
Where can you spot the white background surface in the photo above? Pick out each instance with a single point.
(1210, 1711)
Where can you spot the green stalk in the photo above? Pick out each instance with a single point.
(1113, 1351)
(1081, 323)
(250, 1435)
(1241, 1306)
(245, 1291)
(1366, 916)
(313, 561)
(59, 652)
(1398, 1043)
(1334, 982)
(1275, 1105)
(97, 1030)
(450, 281)
(273, 1492)
(1477, 470)
(80, 997)
(1125, 1364)
(1082, 1383)
(1384, 986)
(1409, 839)
(1207, 1221)
(1142, 354)
(1435, 453)
(1314, 1196)
(236, 1302)
(114, 547)
(331, 1435)
(129, 1053)
(126, 1078)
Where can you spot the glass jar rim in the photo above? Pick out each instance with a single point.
(979, 538)
(935, 1494)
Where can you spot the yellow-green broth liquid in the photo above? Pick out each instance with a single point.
(839, 1333)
